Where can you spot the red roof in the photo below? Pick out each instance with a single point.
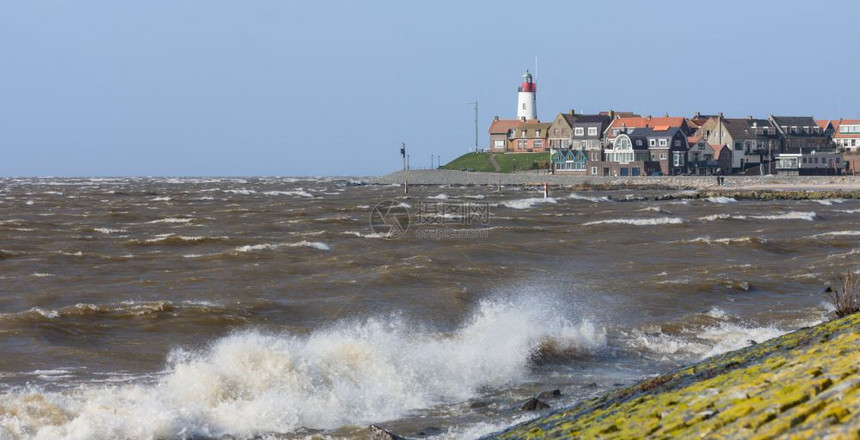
(822, 123)
(718, 150)
(503, 125)
(836, 125)
(662, 123)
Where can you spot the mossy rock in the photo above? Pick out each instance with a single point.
(801, 385)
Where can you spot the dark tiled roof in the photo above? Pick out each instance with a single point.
(799, 121)
(743, 128)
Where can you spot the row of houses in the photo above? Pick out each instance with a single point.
(625, 144)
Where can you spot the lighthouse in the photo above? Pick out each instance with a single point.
(526, 101)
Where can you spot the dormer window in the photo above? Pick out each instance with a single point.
(578, 131)
(652, 142)
(664, 142)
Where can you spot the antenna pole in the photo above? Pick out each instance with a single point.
(475, 103)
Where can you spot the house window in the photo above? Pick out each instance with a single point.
(678, 158)
(538, 143)
(498, 144)
(538, 134)
(664, 142)
(593, 171)
(521, 144)
(652, 142)
(578, 131)
(592, 131)
(524, 106)
(662, 156)
(739, 146)
(677, 143)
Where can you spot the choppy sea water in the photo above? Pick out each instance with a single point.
(213, 308)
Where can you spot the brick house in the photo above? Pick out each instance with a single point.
(847, 135)
(501, 134)
(667, 147)
(753, 141)
(530, 137)
(629, 124)
(799, 132)
(560, 130)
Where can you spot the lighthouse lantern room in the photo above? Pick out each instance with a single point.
(527, 102)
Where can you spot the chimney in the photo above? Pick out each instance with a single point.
(572, 112)
(496, 118)
(649, 117)
(697, 115)
(666, 115)
(523, 118)
(750, 116)
(721, 115)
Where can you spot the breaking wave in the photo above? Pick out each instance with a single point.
(793, 215)
(576, 196)
(722, 199)
(638, 221)
(252, 383)
(527, 203)
(272, 246)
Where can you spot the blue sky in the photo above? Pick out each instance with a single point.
(211, 87)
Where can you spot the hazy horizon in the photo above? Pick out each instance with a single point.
(273, 88)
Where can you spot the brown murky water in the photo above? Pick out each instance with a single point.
(175, 308)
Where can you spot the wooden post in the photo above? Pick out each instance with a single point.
(545, 190)
(405, 187)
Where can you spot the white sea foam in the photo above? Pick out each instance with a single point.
(792, 215)
(272, 246)
(639, 221)
(243, 192)
(109, 230)
(722, 199)
(828, 202)
(296, 193)
(527, 203)
(252, 383)
(439, 197)
(726, 241)
(808, 216)
(849, 211)
(836, 234)
(359, 234)
(161, 199)
(172, 220)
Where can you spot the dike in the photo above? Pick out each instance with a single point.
(732, 183)
(803, 385)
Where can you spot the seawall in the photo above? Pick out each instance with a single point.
(775, 182)
(802, 385)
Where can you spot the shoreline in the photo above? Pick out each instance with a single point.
(773, 183)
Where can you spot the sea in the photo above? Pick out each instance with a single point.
(292, 308)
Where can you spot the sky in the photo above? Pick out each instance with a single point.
(289, 88)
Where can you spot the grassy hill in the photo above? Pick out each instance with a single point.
(508, 162)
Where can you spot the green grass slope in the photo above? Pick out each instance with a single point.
(508, 162)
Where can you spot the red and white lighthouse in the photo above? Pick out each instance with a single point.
(527, 99)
